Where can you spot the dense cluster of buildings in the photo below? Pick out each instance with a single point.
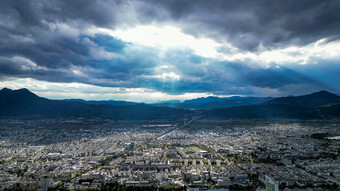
(81, 155)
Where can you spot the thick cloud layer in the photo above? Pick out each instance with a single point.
(251, 24)
(255, 47)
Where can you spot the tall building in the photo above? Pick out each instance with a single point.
(45, 182)
(271, 184)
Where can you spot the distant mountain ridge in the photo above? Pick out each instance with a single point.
(316, 99)
(293, 107)
(24, 104)
(198, 103)
(102, 102)
(217, 102)
(202, 100)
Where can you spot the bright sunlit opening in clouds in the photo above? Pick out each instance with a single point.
(163, 37)
(169, 76)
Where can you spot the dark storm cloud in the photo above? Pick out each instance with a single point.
(110, 44)
(59, 52)
(25, 29)
(36, 13)
(248, 24)
(58, 60)
(12, 68)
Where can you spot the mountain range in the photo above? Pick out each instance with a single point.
(318, 105)
(216, 102)
(318, 99)
(198, 103)
(24, 104)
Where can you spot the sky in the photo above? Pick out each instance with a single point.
(159, 50)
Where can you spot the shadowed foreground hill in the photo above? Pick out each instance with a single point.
(319, 105)
(24, 104)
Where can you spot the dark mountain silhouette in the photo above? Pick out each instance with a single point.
(24, 104)
(319, 105)
(316, 99)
